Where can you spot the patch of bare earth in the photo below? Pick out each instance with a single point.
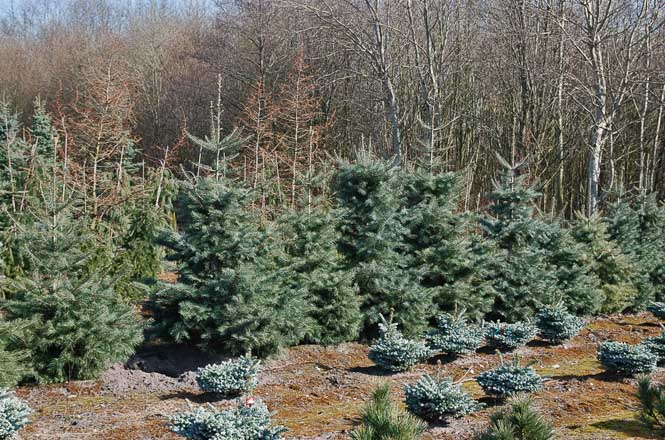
(318, 392)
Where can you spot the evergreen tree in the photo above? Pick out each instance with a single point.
(43, 133)
(14, 152)
(437, 242)
(522, 277)
(372, 241)
(232, 294)
(317, 267)
(137, 257)
(638, 227)
(381, 419)
(576, 283)
(518, 422)
(615, 271)
(63, 309)
(532, 262)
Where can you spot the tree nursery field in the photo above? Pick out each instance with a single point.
(318, 392)
(332, 219)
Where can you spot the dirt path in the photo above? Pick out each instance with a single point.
(317, 392)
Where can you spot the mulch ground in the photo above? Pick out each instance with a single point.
(318, 392)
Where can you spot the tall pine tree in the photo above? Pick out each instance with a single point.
(232, 293)
(638, 226)
(533, 262)
(439, 243)
(63, 310)
(318, 268)
(370, 195)
(43, 133)
(616, 273)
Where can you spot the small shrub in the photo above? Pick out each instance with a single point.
(438, 399)
(652, 399)
(510, 379)
(393, 352)
(14, 414)
(622, 358)
(657, 309)
(383, 420)
(455, 335)
(230, 378)
(510, 336)
(248, 421)
(519, 422)
(556, 324)
(656, 345)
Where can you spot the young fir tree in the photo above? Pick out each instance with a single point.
(318, 268)
(14, 154)
(232, 294)
(532, 261)
(615, 271)
(577, 284)
(137, 257)
(63, 309)
(437, 243)
(370, 194)
(43, 133)
(518, 265)
(638, 227)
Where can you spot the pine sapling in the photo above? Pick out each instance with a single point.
(519, 422)
(437, 398)
(509, 379)
(556, 325)
(393, 352)
(249, 420)
(14, 414)
(652, 399)
(656, 345)
(383, 420)
(626, 359)
(453, 334)
(510, 336)
(230, 378)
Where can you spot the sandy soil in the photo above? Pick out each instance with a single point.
(317, 392)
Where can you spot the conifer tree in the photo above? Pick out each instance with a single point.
(532, 262)
(42, 131)
(614, 270)
(64, 310)
(232, 293)
(439, 245)
(372, 241)
(638, 226)
(522, 276)
(138, 257)
(14, 152)
(318, 268)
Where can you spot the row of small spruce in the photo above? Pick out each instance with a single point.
(455, 335)
(432, 397)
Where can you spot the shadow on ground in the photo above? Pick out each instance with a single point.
(633, 428)
(371, 370)
(603, 376)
